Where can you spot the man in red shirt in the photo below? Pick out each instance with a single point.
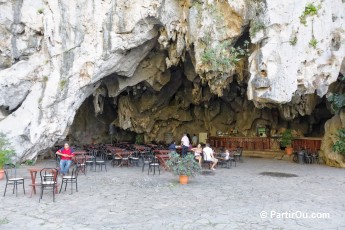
(66, 154)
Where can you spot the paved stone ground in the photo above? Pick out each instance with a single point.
(126, 198)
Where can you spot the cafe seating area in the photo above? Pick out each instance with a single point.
(149, 158)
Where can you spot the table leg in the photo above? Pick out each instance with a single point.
(33, 181)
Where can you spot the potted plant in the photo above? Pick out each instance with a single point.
(183, 166)
(5, 154)
(286, 141)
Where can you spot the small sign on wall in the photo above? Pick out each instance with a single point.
(203, 138)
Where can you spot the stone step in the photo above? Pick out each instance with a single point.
(273, 154)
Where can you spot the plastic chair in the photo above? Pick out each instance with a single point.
(12, 179)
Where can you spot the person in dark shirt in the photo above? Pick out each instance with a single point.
(172, 146)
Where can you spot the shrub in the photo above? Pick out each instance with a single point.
(5, 152)
(183, 165)
(286, 139)
(337, 101)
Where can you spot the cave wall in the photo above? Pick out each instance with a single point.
(174, 108)
(88, 127)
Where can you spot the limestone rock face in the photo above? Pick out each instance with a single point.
(300, 53)
(330, 157)
(55, 54)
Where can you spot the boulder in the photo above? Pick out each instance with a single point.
(330, 157)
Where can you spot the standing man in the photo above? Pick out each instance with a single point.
(185, 144)
(194, 140)
(66, 154)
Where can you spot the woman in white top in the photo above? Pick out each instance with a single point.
(197, 153)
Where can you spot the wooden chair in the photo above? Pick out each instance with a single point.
(80, 162)
(48, 180)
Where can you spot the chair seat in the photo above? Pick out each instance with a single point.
(125, 158)
(68, 177)
(154, 164)
(100, 161)
(14, 179)
(134, 158)
(48, 182)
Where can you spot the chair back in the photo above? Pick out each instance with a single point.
(75, 171)
(103, 156)
(10, 171)
(58, 158)
(154, 160)
(80, 159)
(48, 174)
(239, 150)
(147, 157)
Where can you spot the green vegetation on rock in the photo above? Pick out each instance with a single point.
(223, 56)
(293, 41)
(310, 10)
(337, 101)
(313, 43)
(40, 11)
(62, 83)
(256, 26)
(339, 145)
(139, 139)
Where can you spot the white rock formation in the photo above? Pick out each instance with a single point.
(291, 65)
(83, 42)
(53, 54)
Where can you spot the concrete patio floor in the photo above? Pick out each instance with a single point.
(236, 198)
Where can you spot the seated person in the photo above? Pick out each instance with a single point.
(197, 153)
(172, 146)
(208, 154)
(226, 155)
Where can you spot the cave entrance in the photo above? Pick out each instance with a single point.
(159, 103)
(156, 103)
